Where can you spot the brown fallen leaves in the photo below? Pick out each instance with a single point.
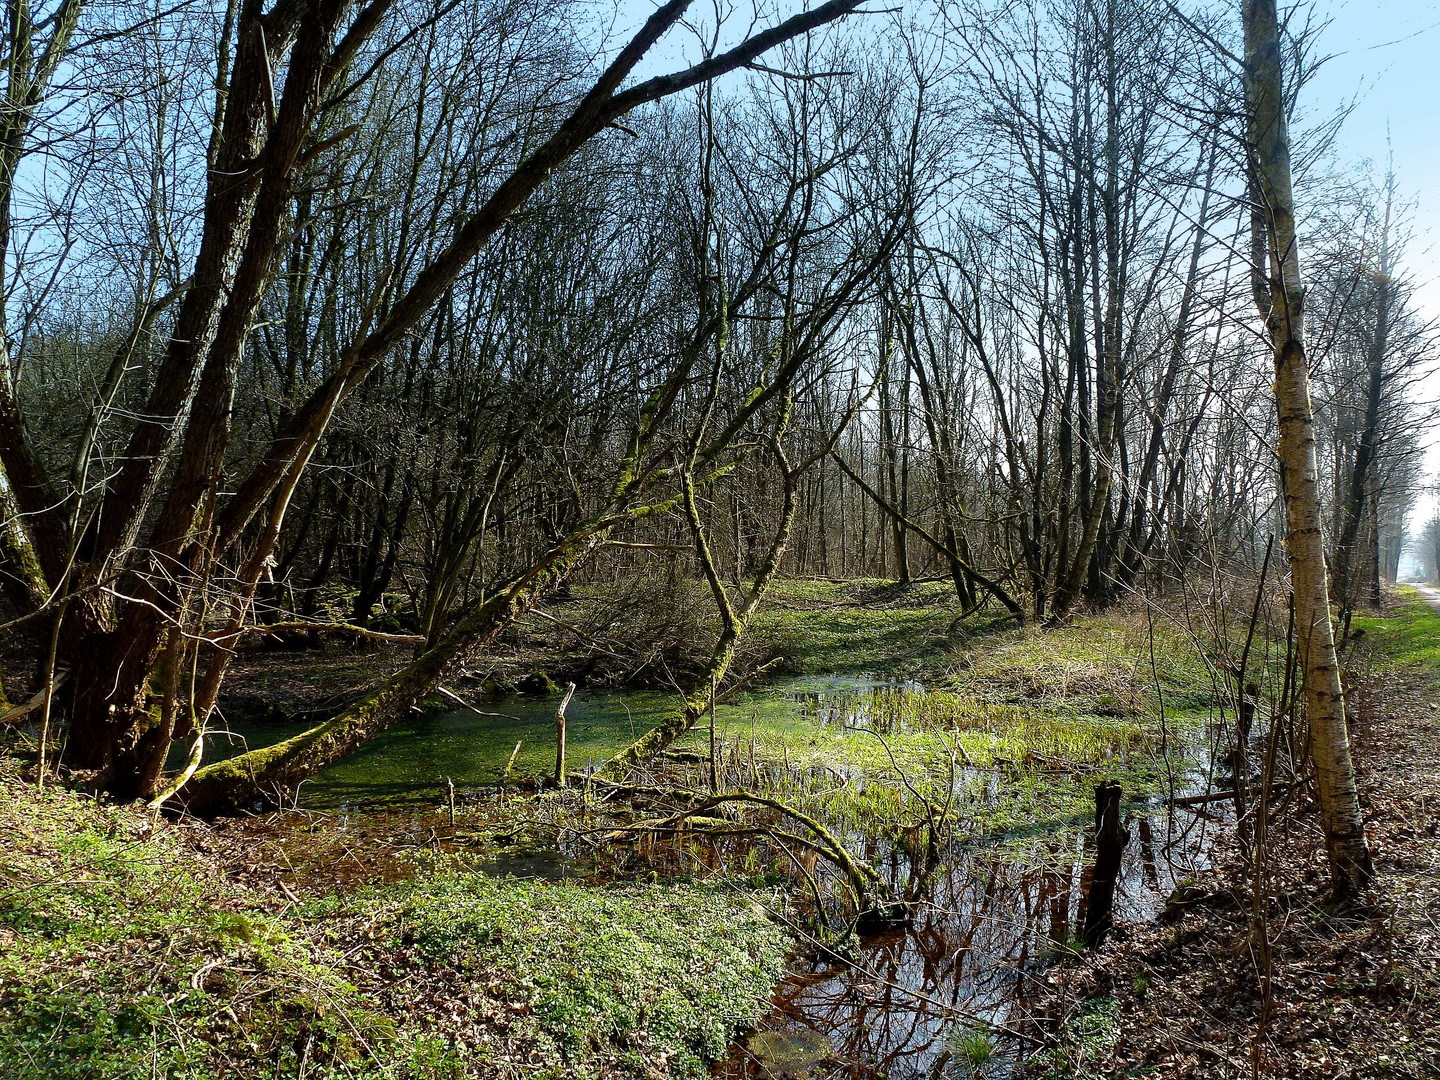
(1351, 995)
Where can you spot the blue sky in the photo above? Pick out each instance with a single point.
(1385, 56)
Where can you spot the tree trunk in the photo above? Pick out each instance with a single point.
(1282, 297)
(1361, 476)
(275, 770)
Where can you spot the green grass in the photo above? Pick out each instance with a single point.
(973, 1049)
(124, 953)
(823, 627)
(1031, 716)
(1407, 635)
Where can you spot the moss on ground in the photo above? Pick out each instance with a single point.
(128, 952)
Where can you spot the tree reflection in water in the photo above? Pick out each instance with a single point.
(975, 952)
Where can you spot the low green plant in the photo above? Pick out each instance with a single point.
(124, 955)
(973, 1048)
(1083, 1038)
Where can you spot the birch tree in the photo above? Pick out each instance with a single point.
(1280, 297)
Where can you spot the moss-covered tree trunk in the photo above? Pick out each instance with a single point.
(273, 771)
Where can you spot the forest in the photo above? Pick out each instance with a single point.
(665, 540)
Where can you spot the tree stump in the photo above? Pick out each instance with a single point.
(560, 736)
(1111, 836)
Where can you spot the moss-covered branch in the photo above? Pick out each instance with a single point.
(274, 770)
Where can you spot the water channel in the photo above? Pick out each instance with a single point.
(907, 1003)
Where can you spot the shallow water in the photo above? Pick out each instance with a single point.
(411, 761)
(907, 1003)
(913, 999)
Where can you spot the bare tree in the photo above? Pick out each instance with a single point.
(1280, 295)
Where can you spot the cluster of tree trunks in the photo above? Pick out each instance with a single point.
(426, 312)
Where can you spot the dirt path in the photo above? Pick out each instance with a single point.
(1430, 594)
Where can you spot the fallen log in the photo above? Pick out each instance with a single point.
(13, 716)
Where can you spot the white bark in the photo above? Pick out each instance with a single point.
(1282, 293)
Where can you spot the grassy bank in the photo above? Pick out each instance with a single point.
(133, 948)
(1027, 719)
(1286, 986)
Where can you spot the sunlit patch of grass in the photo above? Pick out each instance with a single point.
(1407, 634)
(124, 954)
(853, 758)
(826, 627)
(1119, 663)
(595, 978)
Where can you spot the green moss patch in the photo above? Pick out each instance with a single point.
(128, 951)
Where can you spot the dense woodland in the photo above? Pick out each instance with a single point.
(375, 324)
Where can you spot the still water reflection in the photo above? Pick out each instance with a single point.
(914, 1001)
(908, 1003)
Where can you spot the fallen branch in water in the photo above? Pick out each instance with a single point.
(1218, 796)
(874, 904)
(447, 692)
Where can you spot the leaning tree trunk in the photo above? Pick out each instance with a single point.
(276, 770)
(1282, 301)
(112, 729)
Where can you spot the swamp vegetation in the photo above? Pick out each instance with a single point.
(388, 924)
(543, 540)
(374, 928)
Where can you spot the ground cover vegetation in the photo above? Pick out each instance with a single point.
(525, 529)
(402, 944)
(133, 949)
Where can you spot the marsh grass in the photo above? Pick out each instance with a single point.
(851, 756)
(973, 1049)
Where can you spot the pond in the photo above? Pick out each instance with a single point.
(411, 761)
(953, 993)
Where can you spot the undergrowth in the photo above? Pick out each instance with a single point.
(128, 953)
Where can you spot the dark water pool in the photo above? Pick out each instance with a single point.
(957, 993)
